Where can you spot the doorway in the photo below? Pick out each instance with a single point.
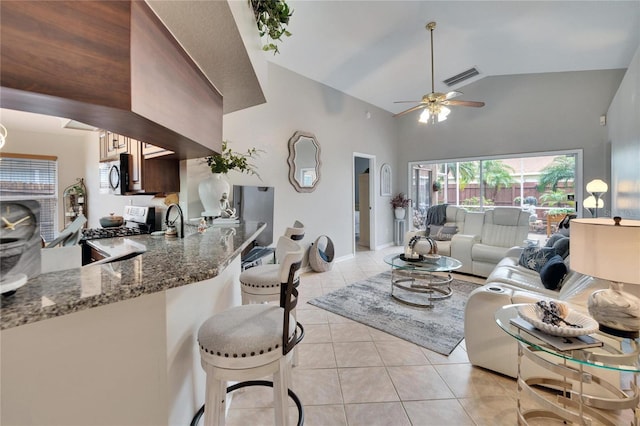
(363, 202)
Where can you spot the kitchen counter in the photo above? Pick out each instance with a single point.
(166, 263)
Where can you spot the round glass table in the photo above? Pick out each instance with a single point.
(573, 368)
(414, 282)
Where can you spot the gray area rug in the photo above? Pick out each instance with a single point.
(439, 328)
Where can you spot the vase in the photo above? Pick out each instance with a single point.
(210, 191)
(400, 212)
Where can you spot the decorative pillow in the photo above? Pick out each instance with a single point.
(323, 255)
(534, 258)
(552, 239)
(553, 272)
(562, 247)
(442, 233)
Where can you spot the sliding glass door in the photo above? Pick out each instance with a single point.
(542, 184)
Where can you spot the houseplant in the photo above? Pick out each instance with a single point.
(272, 17)
(214, 191)
(400, 203)
(229, 160)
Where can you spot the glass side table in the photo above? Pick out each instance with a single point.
(414, 282)
(576, 369)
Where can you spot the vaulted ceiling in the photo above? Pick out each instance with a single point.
(378, 51)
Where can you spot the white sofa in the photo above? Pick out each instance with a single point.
(487, 345)
(491, 348)
(483, 239)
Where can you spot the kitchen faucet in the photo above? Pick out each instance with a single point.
(172, 223)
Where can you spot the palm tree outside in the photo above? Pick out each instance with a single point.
(561, 169)
(495, 175)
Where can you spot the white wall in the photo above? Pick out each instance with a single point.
(624, 134)
(523, 113)
(341, 127)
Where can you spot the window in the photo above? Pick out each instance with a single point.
(32, 177)
(543, 184)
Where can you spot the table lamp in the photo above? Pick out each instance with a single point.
(610, 249)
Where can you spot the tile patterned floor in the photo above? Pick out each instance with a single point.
(351, 374)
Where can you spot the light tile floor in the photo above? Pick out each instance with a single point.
(351, 374)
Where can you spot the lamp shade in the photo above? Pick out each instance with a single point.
(597, 186)
(602, 249)
(590, 203)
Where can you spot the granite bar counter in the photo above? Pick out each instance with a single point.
(167, 263)
(116, 343)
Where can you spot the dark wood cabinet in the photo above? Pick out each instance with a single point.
(147, 175)
(160, 175)
(110, 64)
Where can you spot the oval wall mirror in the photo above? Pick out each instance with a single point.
(304, 161)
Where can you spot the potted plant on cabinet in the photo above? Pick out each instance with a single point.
(400, 203)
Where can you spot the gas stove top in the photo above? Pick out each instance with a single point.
(122, 231)
(137, 220)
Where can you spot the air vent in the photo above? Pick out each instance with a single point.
(465, 75)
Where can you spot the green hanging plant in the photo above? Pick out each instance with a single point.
(272, 17)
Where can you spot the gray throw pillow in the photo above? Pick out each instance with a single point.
(442, 233)
(560, 243)
(534, 258)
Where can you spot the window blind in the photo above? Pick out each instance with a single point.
(32, 178)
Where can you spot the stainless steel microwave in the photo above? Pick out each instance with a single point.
(115, 176)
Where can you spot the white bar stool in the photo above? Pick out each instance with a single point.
(261, 283)
(295, 232)
(250, 341)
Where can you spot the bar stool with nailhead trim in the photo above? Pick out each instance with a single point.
(261, 283)
(295, 232)
(250, 341)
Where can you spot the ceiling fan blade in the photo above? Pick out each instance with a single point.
(453, 94)
(405, 102)
(464, 103)
(415, 108)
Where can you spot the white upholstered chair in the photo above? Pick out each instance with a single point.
(248, 342)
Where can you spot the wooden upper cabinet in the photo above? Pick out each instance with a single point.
(152, 151)
(111, 64)
(111, 145)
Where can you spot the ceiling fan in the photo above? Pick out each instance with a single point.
(435, 103)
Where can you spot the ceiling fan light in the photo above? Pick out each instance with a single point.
(424, 116)
(444, 112)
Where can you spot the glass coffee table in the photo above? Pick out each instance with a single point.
(569, 372)
(414, 282)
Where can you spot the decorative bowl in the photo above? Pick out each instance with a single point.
(432, 258)
(418, 258)
(111, 221)
(533, 314)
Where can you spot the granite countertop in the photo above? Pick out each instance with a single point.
(166, 263)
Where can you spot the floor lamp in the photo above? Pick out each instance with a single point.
(596, 188)
(609, 249)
